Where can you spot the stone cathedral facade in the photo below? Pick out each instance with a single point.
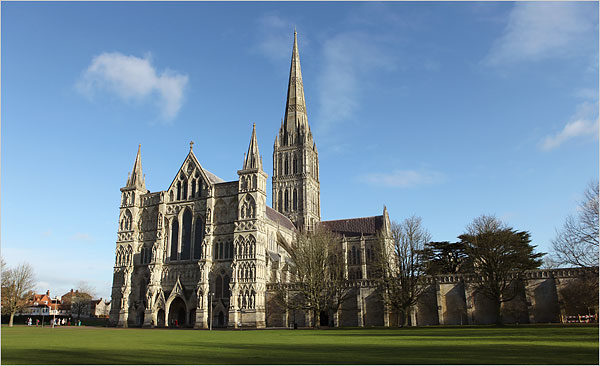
(204, 250)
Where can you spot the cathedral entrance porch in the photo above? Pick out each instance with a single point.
(177, 313)
(160, 318)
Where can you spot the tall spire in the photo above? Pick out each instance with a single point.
(295, 106)
(252, 159)
(136, 178)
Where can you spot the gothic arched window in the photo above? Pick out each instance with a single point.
(295, 199)
(279, 166)
(186, 235)
(219, 287)
(174, 239)
(286, 198)
(286, 165)
(226, 287)
(198, 237)
(178, 191)
(279, 202)
(295, 162)
(185, 190)
(193, 188)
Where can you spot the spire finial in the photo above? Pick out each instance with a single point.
(136, 178)
(252, 159)
(191, 145)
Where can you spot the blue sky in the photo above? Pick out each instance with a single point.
(442, 110)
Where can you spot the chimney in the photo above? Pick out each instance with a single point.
(48, 293)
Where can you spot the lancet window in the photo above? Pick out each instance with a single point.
(295, 199)
(295, 162)
(198, 238)
(186, 235)
(174, 239)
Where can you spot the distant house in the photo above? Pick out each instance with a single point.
(44, 305)
(99, 308)
(78, 302)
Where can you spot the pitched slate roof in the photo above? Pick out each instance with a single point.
(356, 226)
(213, 178)
(279, 218)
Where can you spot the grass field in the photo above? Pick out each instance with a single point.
(552, 344)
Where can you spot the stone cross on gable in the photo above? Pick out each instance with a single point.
(191, 145)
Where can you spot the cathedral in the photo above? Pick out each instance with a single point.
(203, 252)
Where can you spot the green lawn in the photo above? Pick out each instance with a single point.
(539, 344)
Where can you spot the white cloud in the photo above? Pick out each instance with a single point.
(539, 30)
(347, 60)
(583, 123)
(403, 178)
(573, 129)
(134, 78)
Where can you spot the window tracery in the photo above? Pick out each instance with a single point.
(248, 208)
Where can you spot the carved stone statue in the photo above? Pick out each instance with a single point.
(200, 298)
(148, 298)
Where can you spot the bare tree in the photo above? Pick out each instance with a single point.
(17, 288)
(317, 270)
(577, 243)
(580, 296)
(400, 266)
(499, 257)
(80, 299)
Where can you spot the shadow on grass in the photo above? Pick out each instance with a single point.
(249, 353)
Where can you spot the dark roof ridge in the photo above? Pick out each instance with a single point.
(354, 218)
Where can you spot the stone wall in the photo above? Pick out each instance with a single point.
(452, 300)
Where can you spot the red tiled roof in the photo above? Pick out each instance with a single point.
(279, 218)
(356, 226)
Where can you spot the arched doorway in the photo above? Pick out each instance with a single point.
(177, 312)
(160, 318)
(140, 318)
(221, 320)
(324, 319)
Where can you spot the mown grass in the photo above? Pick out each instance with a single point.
(552, 344)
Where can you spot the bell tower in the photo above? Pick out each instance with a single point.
(296, 188)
